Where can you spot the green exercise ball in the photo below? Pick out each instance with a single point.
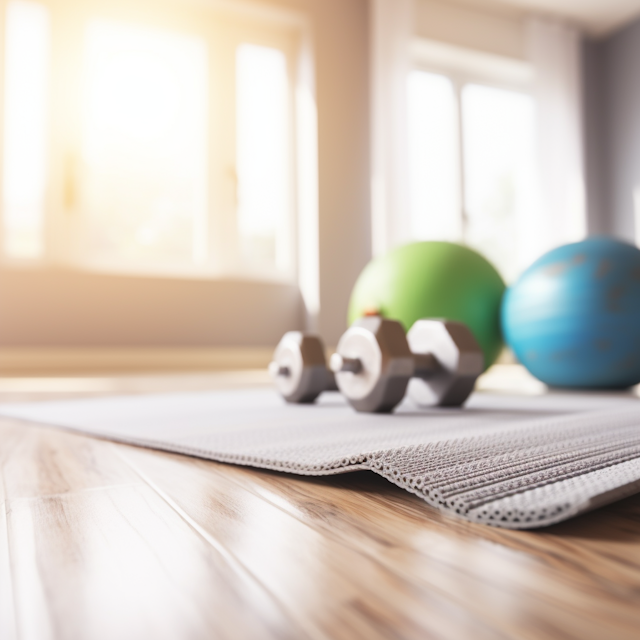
(434, 280)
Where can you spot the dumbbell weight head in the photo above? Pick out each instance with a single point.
(373, 364)
(299, 368)
(459, 361)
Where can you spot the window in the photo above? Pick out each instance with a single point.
(143, 186)
(471, 144)
(263, 157)
(26, 75)
(158, 140)
(498, 152)
(434, 162)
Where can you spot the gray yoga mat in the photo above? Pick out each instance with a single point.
(504, 460)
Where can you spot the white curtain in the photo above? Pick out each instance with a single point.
(392, 31)
(555, 53)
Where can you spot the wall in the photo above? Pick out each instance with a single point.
(58, 307)
(342, 80)
(612, 102)
(595, 147)
(498, 32)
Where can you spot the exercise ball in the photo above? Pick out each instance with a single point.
(434, 280)
(573, 318)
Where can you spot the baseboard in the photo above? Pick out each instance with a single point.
(59, 361)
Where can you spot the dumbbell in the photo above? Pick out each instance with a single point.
(375, 361)
(299, 368)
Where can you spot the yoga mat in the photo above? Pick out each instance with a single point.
(505, 460)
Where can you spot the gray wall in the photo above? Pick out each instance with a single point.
(66, 308)
(612, 122)
(595, 149)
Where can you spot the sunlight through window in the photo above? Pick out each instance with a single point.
(25, 128)
(144, 145)
(499, 172)
(263, 155)
(434, 159)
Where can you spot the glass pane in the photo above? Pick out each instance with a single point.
(144, 146)
(434, 158)
(25, 128)
(499, 173)
(263, 155)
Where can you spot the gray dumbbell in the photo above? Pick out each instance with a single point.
(375, 361)
(299, 368)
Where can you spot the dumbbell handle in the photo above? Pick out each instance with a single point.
(425, 364)
(277, 370)
(339, 363)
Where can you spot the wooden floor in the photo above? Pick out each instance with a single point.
(105, 541)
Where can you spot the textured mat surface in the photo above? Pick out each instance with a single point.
(510, 461)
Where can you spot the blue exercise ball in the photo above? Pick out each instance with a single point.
(573, 318)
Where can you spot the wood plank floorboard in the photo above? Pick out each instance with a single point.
(103, 540)
(503, 577)
(329, 582)
(96, 553)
